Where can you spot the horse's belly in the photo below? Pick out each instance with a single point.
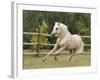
(71, 45)
(60, 45)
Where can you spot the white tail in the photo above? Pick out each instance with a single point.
(80, 49)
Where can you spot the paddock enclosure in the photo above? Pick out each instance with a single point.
(37, 41)
(32, 59)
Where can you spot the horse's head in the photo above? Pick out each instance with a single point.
(56, 29)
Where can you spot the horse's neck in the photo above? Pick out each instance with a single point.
(64, 34)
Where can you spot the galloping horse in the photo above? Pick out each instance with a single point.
(65, 40)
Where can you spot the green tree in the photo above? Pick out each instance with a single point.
(42, 28)
(35, 21)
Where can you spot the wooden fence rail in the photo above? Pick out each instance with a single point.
(26, 43)
(45, 44)
(35, 34)
(42, 34)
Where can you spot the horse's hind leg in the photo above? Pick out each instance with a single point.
(72, 54)
(55, 57)
(71, 57)
(70, 51)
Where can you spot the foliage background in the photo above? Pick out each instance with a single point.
(78, 23)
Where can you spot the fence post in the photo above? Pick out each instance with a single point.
(38, 42)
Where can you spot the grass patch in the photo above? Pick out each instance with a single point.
(33, 62)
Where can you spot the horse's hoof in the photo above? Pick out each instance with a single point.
(55, 59)
(43, 60)
(69, 60)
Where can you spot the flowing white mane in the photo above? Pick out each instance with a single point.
(64, 27)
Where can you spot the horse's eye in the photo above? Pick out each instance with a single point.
(56, 28)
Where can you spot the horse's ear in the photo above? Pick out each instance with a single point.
(55, 22)
(58, 23)
(67, 26)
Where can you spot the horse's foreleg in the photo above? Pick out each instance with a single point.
(55, 47)
(62, 48)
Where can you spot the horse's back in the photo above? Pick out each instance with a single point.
(77, 39)
(74, 41)
(75, 36)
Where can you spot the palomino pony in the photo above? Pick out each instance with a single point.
(65, 40)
